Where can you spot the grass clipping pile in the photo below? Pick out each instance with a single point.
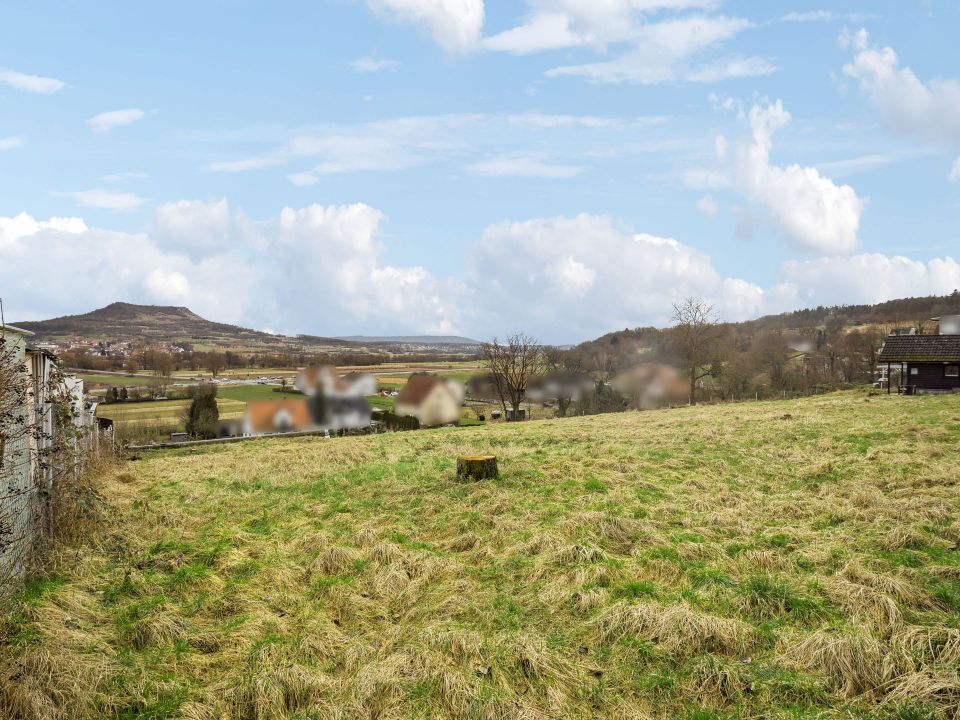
(788, 559)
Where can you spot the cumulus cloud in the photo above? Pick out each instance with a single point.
(455, 25)
(927, 111)
(811, 211)
(10, 143)
(107, 121)
(316, 269)
(564, 278)
(320, 269)
(195, 227)
(869, 278)
(104, 199)
(30, 83)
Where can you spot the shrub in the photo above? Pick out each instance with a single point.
(203, 415)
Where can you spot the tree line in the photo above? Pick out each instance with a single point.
(717, 361)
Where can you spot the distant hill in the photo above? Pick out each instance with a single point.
(125, 322)
(624, 346)
(411, 339)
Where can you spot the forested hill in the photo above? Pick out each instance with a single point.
(622, 346)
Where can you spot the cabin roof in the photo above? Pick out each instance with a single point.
(921, 348)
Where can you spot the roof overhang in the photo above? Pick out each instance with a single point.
(15, 329)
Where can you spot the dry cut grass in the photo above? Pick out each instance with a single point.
(785, 559)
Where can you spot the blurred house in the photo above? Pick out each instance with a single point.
(560, 387)
(431, 399)
(331, 412)
(483, 387)
(652, 385)
(276, 416)
(325, 379)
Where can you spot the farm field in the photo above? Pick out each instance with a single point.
(115, 380)
(788, 559)
(140, 421)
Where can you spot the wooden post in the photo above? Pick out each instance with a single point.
(476, 467)
(889, 378)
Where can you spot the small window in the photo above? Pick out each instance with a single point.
(914, 371)
(951, 370)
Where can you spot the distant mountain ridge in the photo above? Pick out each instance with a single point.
(127, 322)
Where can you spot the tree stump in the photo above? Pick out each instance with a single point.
(476, 467)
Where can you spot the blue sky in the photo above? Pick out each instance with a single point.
(563, 167)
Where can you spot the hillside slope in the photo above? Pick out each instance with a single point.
(784, 559)
(125, 322)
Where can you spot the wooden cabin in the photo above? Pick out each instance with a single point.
(927, 363)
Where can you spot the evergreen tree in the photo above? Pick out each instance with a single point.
(203, 415)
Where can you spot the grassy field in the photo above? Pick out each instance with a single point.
(789, 559)
(111, 380)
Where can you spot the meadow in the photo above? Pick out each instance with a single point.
(786, 559)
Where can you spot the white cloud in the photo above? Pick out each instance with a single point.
(563, 278)
(668, 51)
(708, 206)
(320, 269)
(30, 83)
(256, 162)
(316, 269)
(13, 229)
(194, 227)
(104, 199)
(124, 176)
(10, 143)
(170, 287)
(809, 16)
(865, 163)
(373, 65)
(523, 165)
(107, 121)
(555, 24)
(811, 211)
(400, 143)
(543, 31)
(869, 278)
(454, 25)
(927, 111)
(955, 171)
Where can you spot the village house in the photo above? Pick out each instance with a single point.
(431, 399)
(263, 417)
(325, 379)
(652, 385)
(927, 363)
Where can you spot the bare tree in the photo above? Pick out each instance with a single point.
(512, 366)
(215, 362)
(696, 334)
